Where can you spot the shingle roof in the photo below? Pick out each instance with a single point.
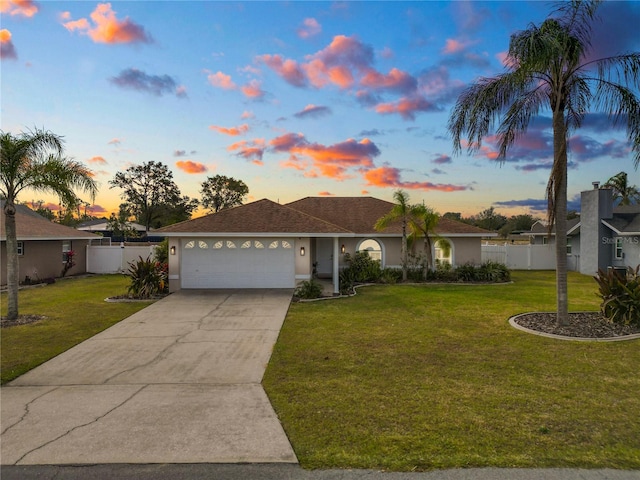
(310, 215)
(31, 226)
(540, 228)
(262, 216)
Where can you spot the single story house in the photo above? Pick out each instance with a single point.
(603, 236)
(101, 227)
(42, 246)
(264, 244)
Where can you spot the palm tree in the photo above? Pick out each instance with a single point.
(35, 161)
(401, 212)
(548, 70)
(423, 223)
(623, 193)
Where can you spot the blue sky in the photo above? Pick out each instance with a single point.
(294, 98)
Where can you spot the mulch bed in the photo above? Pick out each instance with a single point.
(581, 325)
(21, 320)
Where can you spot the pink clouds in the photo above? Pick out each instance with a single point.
(251, 150)
(106, 28)
(7, 49)
(221, 80)
(24, 8)
(390, 177)
(348, 64)
(233, 131)
(188, 166)
(98, 160)
(252, 90)
(406, 107)
(309, 28)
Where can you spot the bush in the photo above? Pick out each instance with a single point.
(148, 278)
(493, 272)
(308, 289)
(161, 252)
(467, 273)
(363, 268)
(391, 276)
(620, 295)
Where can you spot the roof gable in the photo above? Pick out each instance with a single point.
(262, 216)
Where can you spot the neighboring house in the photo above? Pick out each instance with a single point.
(42, 246)
(604, 236)
(101, 226)
(267, 245)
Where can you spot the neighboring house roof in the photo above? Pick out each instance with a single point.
(31, 226)
(102, 225)
(311, 216)
(625, 221)
(540, 228)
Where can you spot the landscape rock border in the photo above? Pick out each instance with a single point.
(619, 338)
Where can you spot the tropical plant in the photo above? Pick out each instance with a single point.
(220, 192)
(620, 293)
(623, 193)
(548, 68)
(423, 222)
(34, 160)
(400, 212)
(148, 278)
(308, 289)
(68, 262)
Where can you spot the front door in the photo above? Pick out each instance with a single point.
(324, 257)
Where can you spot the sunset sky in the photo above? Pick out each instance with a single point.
(294, 98)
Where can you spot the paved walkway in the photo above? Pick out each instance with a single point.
(177, 382)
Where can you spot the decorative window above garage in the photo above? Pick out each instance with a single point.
(202, 245)
(246, 244)
(231, 244)
(217, 245)
(258, 244)
(190, 244)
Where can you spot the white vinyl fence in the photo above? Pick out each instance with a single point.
(521, 257)
(115, 259)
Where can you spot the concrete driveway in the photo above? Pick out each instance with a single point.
(178, 382)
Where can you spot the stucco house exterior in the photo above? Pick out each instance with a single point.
(266, 244)
(42, 246)
(604, 236)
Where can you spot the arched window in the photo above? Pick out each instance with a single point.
(372, 247)
(443, 251)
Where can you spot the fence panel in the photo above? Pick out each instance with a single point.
(521, 257)
(115, 259)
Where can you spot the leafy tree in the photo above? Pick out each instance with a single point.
(34, 160)
(400, 212)
(119, 223)
(179, 211)
(548, 69)
(148, 190)
(38, 207)
(489, 220)
(223, 192)
(623, 193)
(517, 223)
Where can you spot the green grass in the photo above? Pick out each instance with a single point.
(424, 377)
(75, 310)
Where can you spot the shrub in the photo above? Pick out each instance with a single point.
(346, 281)
(161, 252)
(362, 267)
(493, 272)
(148, 278)
(467, 273)
(620, 293)
(308, 289)
(391, 276)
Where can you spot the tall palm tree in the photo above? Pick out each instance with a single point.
(34, 160)
(548, 70)
(423, 223)
(400, 212)
(623, 193)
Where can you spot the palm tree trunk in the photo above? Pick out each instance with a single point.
(560, 204)
(12, 260)
(403, 252)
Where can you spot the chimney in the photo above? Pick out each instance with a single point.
(596, 185)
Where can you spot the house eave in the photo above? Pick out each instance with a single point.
(619, 232)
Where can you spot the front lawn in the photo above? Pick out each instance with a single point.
(424, 377)
(75, 310)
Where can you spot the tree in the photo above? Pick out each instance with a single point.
(548, 69)
(423, 223)
(400, 212)
(178, 211)
(517, 223)
(148, 189)
(623, 193)
(223, 192)
(489, 220)
(34, 160)
(119, 224)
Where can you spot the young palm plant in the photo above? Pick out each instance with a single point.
(401, 212)
(424, 221)
(34, 160)
(548, 69)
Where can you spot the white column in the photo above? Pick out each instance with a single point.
(336, 266)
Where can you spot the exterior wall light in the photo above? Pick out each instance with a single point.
(173, 250)
(342, 249)
(302, 252)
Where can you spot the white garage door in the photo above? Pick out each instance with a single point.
(238, 263)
